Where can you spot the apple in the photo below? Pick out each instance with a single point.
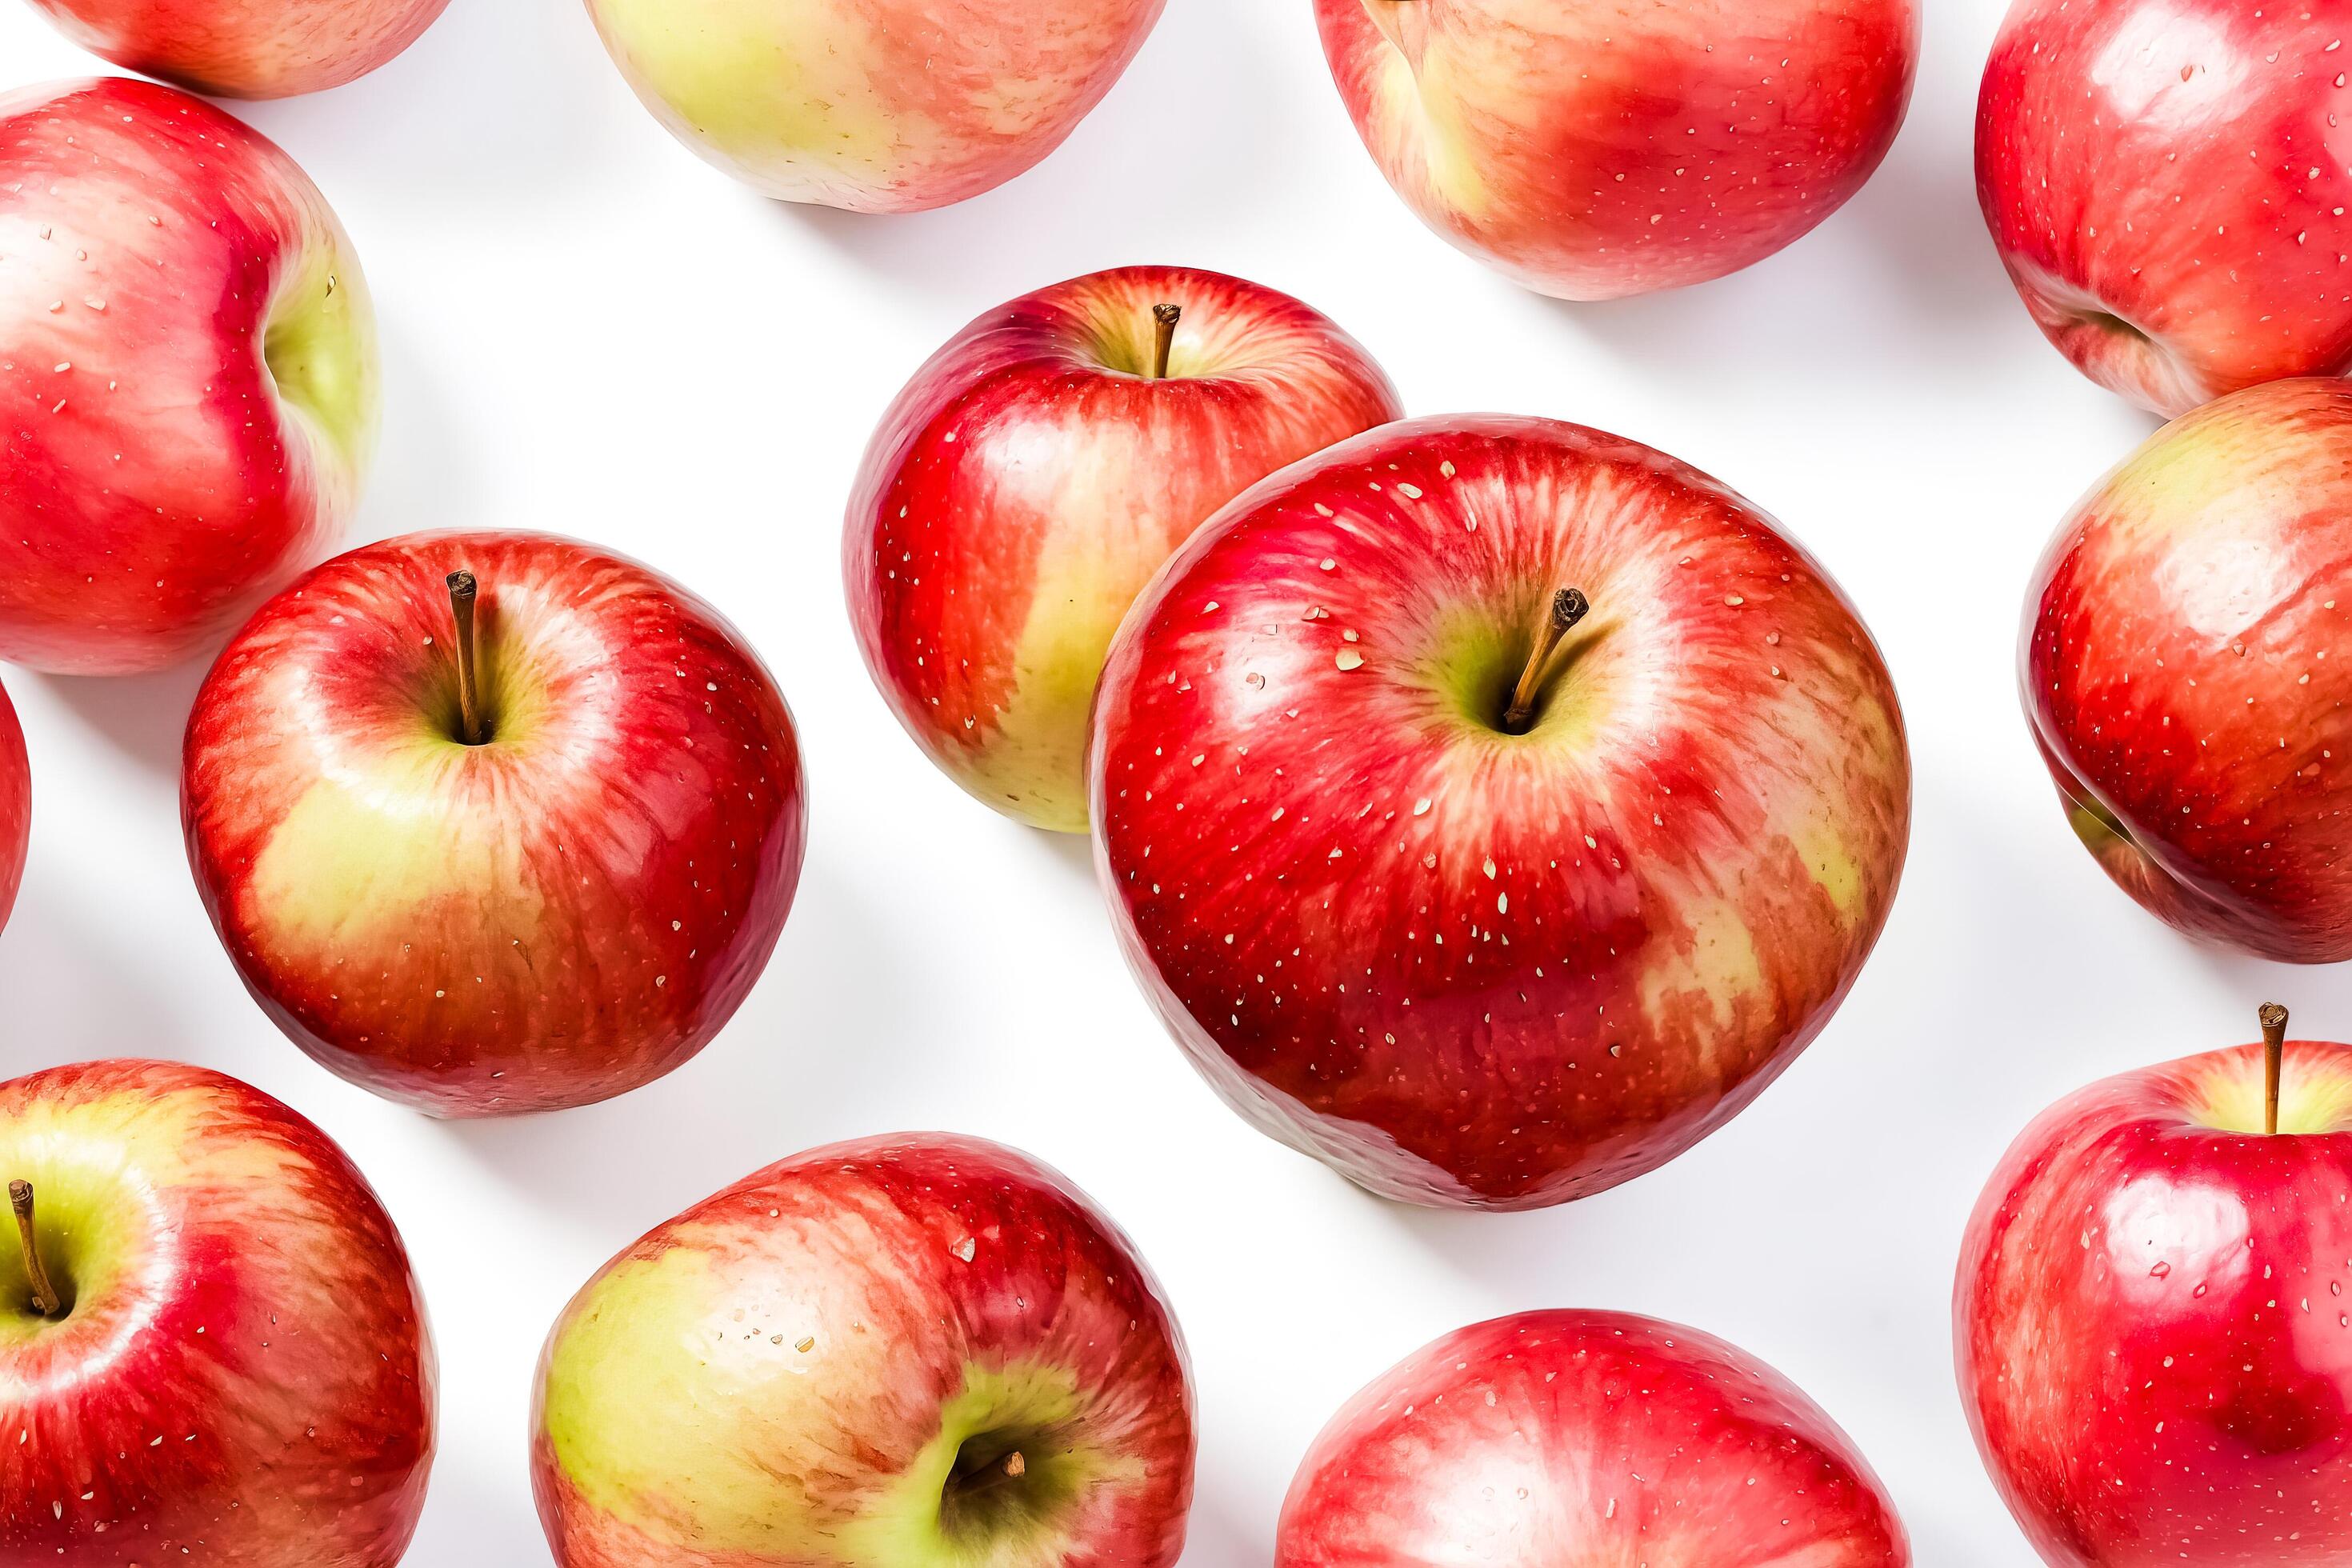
(1038, 469)
(253, 48)
(212, 1348)
(1573, 1437)
(2158, 178)
(15, 805)
(2178, 674)
(187, 374)
(493, 821)
(882, 106)
(1493, 807)
(2152, 1338)
(1592, 150)
(926, 1351)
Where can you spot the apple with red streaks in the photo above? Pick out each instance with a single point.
(925, 1351)
(188, 378)
(15, 805)
(2184, 670)
(1493, 807)
(2165, 183)
(1572, 1438)
(212, 1348)
(253, 48)
(494, 822)
(2152, 1335)
(1038, 469)
(1591, 149)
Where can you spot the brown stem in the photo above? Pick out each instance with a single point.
(1568, 607)
(2273, 1061)
(462, 590)
(1010, 1467)
(45, 1299)
(1165, 318)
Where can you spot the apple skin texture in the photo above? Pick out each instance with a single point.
(2183, 665)
(1464, 967)
(1570, 1437)
(16, 807)
(2159, 179)
(189, 384)
(785, 1375)
(243, 1375)
(2154, 1339)
(1592, 149)
(552, 918)
(1032, 476)
(877, 106)
(246, 48)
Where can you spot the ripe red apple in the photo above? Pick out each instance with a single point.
(1574, 1438)
(253, 48)
(928, 1351)
(2159, 178)
(211, 1347)
(2153, 1340)
(1593, 149)
(2182, 674)
(1038, 469)
(485, 871)
(1478, 922)
(187, 374)
(15, 805)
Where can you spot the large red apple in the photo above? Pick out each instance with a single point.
(2164, 181)
(187, 374)
(924, 1351)
(2155, 1345)
(1591, 149)
(251, 49)
(1033, 475)
(1586, 1437)
(211, 1347)
(509, 868)
(15, 805)
(1480, 923)
(2181, 668)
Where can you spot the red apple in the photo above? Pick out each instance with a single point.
(187, 374)
(1478, 922)
(252, 48)
(923, 1352)
(1033, 475)
(2161, 181)
(1592, 149)
(15, 805)
(1586, 1437)
(2183, 674)
(510, 869)
(211, 1347)
(2154, 1342)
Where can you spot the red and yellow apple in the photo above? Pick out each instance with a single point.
(252, 48)
(1038, 469)
(212, 1348)
(494, 822)
(925, 1351)
(15, 805)
(1492, 807)
(1591, 149)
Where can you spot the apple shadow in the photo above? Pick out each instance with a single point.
(425, 474)
(144, 717)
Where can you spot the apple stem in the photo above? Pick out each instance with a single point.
(462, 590)
(2273, 1062)
(1165, 318)
(1567, 606)
(45, 1299)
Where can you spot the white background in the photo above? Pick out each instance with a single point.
(587, 330)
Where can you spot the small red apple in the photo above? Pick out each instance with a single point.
(1038, 469)
(251, 49)
(15, 805)
(510, 868)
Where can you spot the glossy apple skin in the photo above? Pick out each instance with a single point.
(783, 1375)
(1032, 476)
(1575, 1437)
(2157, 177)
(1591, 149)
(1466, 967)
(2184, 667)
(254, 49)
(552, 918)
(244, 1374)
(15, 806)
(188, 386)
(2154, 1340)
(878, 106)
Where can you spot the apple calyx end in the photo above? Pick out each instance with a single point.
(1568, 607)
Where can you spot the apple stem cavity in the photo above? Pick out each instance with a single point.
(45, 1299)
(1567, 606)
(2274, 1018)
(462, 592)
(1165, 318)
